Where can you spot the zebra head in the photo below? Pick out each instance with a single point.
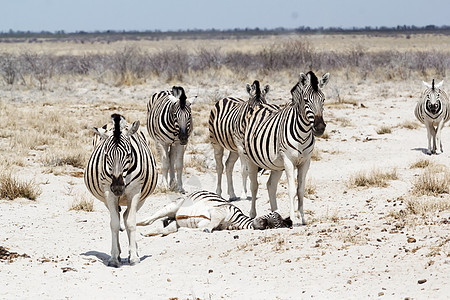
(271, 220)
(432, 96)
(308, 92)
(118, 152)
(257, 96)
(181, 113)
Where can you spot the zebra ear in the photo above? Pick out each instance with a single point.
(426, 84)
(177, 91)
(266, 89)
(100, 132)
(248, 87)
(324, 80)
(191, 100)
(439, 85)
(173, 99)
(133, 128)
(303, 79)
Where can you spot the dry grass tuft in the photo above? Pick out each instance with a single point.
(83, 203)
(435, 180)
(384, 130)
(315, 156)
(409, 125)
(375, 178)
(12, 188)
(421, 164)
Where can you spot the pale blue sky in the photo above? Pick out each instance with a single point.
(92, 15)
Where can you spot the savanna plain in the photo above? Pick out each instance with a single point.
(377, 206)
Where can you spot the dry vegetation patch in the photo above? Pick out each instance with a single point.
(12, 188)
(434, 180)
(373, 178)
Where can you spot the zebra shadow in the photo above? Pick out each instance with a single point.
(423, 150)
(103, 257)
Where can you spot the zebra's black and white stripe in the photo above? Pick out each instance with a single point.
(169, 124)
(284, 140)
(433, 110)
(208, 211)
(121, 172)
(227, 122)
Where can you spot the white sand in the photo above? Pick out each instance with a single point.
(349, 249)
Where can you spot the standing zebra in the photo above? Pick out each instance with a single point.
(121, 172)
(226, 131)
(169, 123)
(433, 110)
(208, 211)
(284, 140)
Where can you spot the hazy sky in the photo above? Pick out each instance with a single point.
(92, 15)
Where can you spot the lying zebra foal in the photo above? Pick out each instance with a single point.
(208, 211)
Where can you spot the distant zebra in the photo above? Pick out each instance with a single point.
(284, 140)
(208, 211)
(226, 131)
(121, 172)
(433, 110)
(169, 124)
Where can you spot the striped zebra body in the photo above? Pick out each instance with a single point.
(121, 172)
(227, 123)
(433, 110)
(208, 211)
(169, 124)
(284, 140)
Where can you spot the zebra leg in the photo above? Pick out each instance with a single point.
(130, 223)
(169, 210)
(244, 174)
(112, 205)
(430, 134)
(171, 228)
(165, 160)
(290, 170)
(272, 185)
(172, 161)
(301, 181)
(179, 158)
(438, 136)
(253, 174)
(218, 155)
(229, 166)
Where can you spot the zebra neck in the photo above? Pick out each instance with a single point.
(239, 220)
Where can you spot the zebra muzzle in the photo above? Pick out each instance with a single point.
(118, 185)
(319, 126)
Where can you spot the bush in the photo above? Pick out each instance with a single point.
(12, 188)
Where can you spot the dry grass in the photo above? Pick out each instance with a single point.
(409, 125)
(374, 178)
(12, 188)
(384, 130)
(315, 156)
(83, 203)
(434, 180)
(421, 164)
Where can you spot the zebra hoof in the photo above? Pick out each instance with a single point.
(134, 261)
(114, 262)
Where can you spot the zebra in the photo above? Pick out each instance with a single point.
(121, 172)
(284, 140)
(169, 124)
(208, 211)
(433, 110)
(226, 131)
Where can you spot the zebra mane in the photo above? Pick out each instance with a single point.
(432, 85)
(314, 81)
(178, 92)
(116, 121)
(257, 88)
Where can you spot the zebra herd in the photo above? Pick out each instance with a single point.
(122, 170)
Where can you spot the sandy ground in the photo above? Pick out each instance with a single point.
(351, 248)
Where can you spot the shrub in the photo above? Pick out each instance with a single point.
(11, 188)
